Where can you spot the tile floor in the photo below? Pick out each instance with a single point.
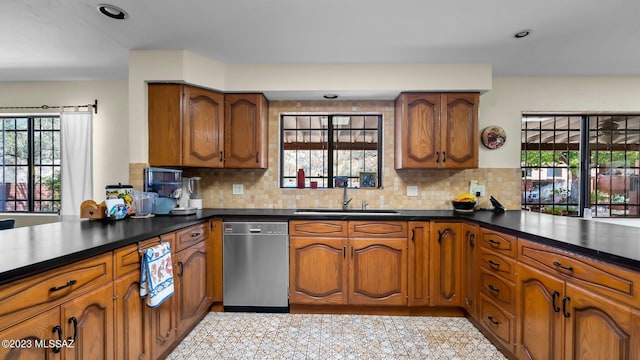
(309, 336)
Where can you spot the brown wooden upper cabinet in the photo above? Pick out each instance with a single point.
(436, 130)
(195, 127)
(245, 124)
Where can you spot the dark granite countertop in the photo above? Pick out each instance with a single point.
(34, 249)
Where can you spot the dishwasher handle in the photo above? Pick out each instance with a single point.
(255, 230)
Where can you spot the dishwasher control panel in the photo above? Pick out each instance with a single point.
(262, 228)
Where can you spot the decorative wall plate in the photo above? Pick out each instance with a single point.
(493, 137)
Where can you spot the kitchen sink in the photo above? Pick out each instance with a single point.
(345, 212)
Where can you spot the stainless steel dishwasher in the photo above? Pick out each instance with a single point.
(255, 266)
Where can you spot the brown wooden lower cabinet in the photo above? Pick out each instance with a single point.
(446, 264)
(418, 258)
(192, 288)
(559, 320)
(89, 321)
(597, 327)
(378, 272)
(40, 328)
(540, 321)
(339, 270)
(96, 303)
(162, 326)
(318, 270)
(130, 332)
(83, 327)
(500, 322)
(470, 268)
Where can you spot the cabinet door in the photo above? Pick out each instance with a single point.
(246, 131)
(38, 329)
(470, 268)
(597, 328)
(418, 263)
(203, 128)
(165, 124)
(540, 325)
(317, 271)
(446, 264)
(459, 130)
(378, 272)
(162, 327)
(192, 286)
(129, 318)
(88, 319)
(417, 130)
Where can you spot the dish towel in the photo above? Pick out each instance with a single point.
(156, 275)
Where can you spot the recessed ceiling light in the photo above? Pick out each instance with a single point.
(522, 34)
(112, 11)
(330, 96)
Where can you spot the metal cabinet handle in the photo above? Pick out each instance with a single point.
(57, 329)
(257, 154)
(472, 240)
(495, 322)
(494, 264)
(344, 252)
(565, 301)
(413, 234)
(75, 328)
(69, 283)
(442, 234)
(494, 243)
(444, 156)
(493, 288)
(437, 156)
(180, 268)
(196, 234)
(221, 158)
(557, 264)
(555, 296)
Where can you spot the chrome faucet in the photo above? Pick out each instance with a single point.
(345, 202)
(364, 205)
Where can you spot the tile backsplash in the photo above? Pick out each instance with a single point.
(261, 187)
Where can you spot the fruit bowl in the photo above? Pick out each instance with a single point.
(463, 206)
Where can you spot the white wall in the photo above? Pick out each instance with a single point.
(510, 96)
(110, 125)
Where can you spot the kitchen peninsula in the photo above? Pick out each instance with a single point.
(543, 261)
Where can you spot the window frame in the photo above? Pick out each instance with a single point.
(32, 188)
(330, 145)
(588, 171)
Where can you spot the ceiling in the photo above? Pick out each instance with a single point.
(70, 40)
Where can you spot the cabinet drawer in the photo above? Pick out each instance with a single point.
(501, 291)
(318, 228)
(610, 280)
(126, 259)
(498, 264)
(372, 229)
(191, 235)
(29, 296)
(498, 242)
(498, 321)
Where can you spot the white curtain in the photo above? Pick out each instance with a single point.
(77, 160)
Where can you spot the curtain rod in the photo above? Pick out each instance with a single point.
(46, 107)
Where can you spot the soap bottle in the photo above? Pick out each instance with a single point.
(300, 179)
